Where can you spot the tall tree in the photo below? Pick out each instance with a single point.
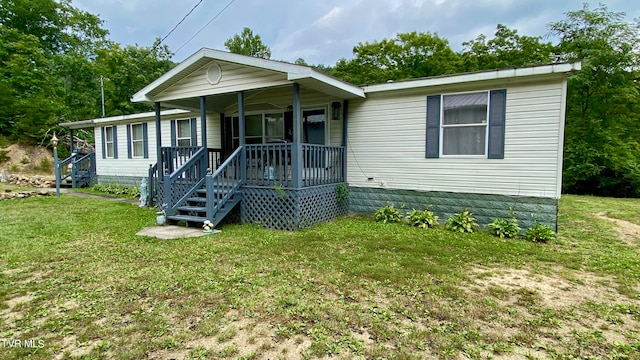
(246, 43)
(408, 55)
(602, 149)
(505, 50)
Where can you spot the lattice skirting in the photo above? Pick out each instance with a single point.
(286, 209)
(485, 207)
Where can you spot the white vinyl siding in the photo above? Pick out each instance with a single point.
(139, 167)
(387, 142)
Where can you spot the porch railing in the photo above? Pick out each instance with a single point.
(270, 164)
(178, 184)
(81, 170)
(153, 192)
(223, 183)
(174, 157)
(322, 164)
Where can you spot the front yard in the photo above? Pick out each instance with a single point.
(75, 282)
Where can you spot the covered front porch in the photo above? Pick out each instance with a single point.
(278, 144)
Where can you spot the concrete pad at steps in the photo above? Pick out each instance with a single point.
(173, 232)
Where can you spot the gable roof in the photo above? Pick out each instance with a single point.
(303, 75)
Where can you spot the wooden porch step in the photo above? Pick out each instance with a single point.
(193, 208)
(187, 218)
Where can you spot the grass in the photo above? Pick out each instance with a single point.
(74, 275)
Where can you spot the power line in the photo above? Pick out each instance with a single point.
(180, 22)
(207, 24)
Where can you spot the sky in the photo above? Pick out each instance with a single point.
(323, 31)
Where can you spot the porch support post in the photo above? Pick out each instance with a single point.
(345, 128)
(203, 120)
(296, 150)
(158, 139)
(71, 140)
(241, 134)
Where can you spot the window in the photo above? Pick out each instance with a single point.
(464, 124)
(259, 128)
(109, 142)
(184, 132)
(137, 139)
(183, 135)
(469, 124)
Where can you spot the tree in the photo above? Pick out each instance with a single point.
(506, 49)
(248, 44)
(602, 149)
(127, 70)
(408, 55)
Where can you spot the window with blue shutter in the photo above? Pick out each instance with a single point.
(109, 142)
(466, 124)
(137, 141)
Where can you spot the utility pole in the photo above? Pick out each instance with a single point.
(102, 91)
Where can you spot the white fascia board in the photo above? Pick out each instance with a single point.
(129, 118)
(310, 73)
(474, 77)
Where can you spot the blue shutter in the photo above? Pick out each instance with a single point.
(115, 142)
(104, 145)
(194, 132)
(145, 139)
(173, 133)
(433, 127)
(497, 110)
(129, 150)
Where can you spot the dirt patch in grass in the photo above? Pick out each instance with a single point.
(629, 232)
(555, 311)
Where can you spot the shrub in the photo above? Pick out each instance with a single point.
(388, 214)
(505, 228)
(4, 157)
(422, 219)
(462, 222)
(539, 233)
(117, 190)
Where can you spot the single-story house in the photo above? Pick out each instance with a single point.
(284, 142)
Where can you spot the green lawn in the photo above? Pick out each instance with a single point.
(75, 282)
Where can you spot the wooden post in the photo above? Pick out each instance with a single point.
(296, 148)
(158, 139)
(241, 134)
(345, 128)
(203, 121)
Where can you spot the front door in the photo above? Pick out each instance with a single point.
(314, 126)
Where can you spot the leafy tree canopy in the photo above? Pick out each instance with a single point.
(246, 43)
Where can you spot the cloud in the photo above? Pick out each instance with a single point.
(324, 31)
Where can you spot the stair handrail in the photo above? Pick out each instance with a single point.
(64, 163)
(198, 158)
(78, 163)
(237, 181)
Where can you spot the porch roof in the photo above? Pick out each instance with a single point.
(279, 74)
(127, 119)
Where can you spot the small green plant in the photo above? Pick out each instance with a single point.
(130, 191)
(539, 233)
(4, 156)
(389, 214)
(462, 222)
(25, 160)
(14, 168)
(278, 188)
(505, 228)
(342, 193)
(422, 219)
(44, 166)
